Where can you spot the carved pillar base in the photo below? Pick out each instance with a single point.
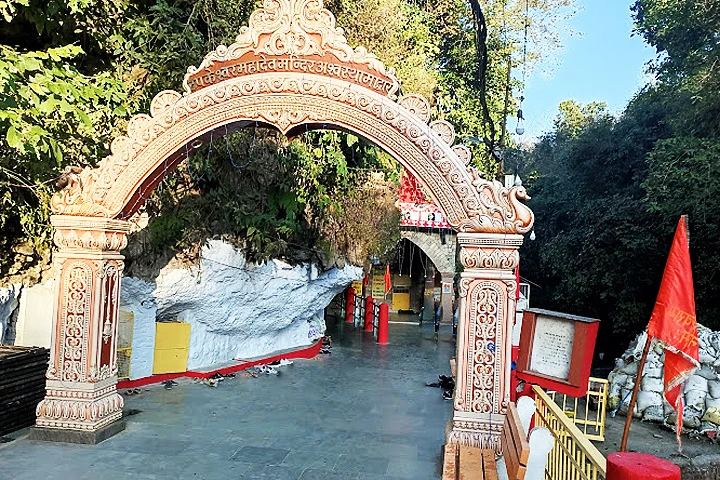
(487, 311)
(81, 403)
(83, 413)
(475, 429)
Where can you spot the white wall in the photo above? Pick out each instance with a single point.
(34, 324)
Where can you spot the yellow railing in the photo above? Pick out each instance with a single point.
(573, 457)
(587, 413)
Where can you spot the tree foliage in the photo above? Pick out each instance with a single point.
(72, 71)
(607, 192)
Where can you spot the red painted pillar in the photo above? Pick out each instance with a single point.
(383, 324)
(636, 466)
(350, 307)
(369, 314)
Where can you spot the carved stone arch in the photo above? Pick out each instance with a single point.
(291, 67)
(442, 256)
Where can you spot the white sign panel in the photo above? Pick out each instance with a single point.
(552, 347)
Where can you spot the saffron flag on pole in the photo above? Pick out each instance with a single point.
(673, 321)
(388, 283)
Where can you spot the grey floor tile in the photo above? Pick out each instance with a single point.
(359, 463)
(271, 472)
(415, 470)
(362, 413)
(260, 455)
(317, 474)
(311, 459)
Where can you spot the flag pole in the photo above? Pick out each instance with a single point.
(633, 399)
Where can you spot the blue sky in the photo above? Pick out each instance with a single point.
(600, 61)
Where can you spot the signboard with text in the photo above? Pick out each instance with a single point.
(556, 350)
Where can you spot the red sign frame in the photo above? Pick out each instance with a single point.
(585, 335)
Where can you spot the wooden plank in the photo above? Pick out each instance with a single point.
(510, 455)
(450, 462)
(471, 463)
(489, 465)
(512, 420)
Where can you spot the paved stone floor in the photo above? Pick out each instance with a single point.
(361, 413)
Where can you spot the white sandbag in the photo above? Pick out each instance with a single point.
(629, 382)
(690, 419)
(653, 357)
(619, 363)
(667, 408)
(652, 384)
(696, 382)
(692, 413)
(654, 413)
(625, 399)
(618, 378)
(707, 372)
(647, 399)
(712, 403)
(654, 370)
(630, 368)
(715, 341)
(707, 356)
(639, 345)
(614, 390)
(695, 399)
(714, 388)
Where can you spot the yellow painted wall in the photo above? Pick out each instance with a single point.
(172, 345)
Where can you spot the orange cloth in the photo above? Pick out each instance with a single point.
(388, 282)
(673, 320)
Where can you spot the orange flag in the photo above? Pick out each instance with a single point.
(673, 321)
(388, 282)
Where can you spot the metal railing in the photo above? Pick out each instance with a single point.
(359, 312)
(587, 413)
(573, 456)
(376, 318)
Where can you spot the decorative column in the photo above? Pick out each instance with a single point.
(487, 310)
(81, 403)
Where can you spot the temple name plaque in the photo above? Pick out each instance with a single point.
(556, 350)
(553, 344)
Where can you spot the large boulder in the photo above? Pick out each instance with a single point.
(236, 309)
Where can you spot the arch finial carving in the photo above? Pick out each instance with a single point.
(316, 78)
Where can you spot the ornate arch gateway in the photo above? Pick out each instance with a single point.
(292, 69)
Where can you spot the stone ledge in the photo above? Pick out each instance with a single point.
(77, 436)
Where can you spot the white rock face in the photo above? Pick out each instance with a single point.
(136, 296)
(701, 392)
(8, 303)
(236, 309)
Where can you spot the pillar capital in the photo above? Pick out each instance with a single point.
(489, 251)
(89, 234)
